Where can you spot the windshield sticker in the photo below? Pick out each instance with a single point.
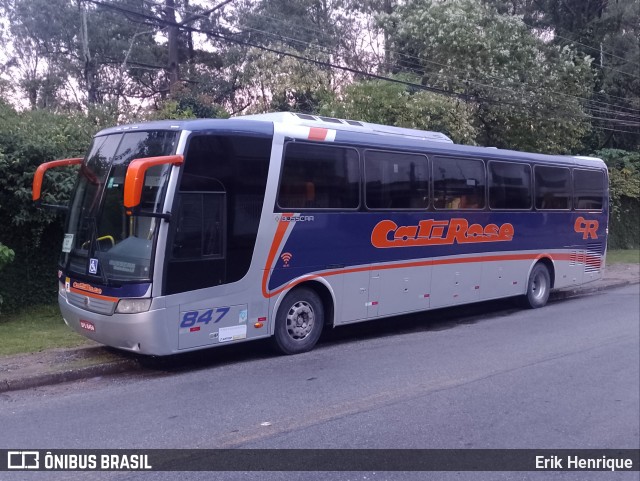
(93, 266)
(67, 243)
(122, 266)
(110, 184)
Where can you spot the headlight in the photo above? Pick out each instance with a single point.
(133, 306)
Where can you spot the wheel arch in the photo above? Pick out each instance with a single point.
(547, 261)
(322, 288)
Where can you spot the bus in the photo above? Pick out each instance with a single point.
(182, 235)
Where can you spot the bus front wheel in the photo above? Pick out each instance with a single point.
(299, 321)
(538, 287)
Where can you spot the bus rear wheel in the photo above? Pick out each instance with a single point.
(538, 287)
(299, 321)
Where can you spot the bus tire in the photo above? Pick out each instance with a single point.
(299, 321)
(538, 287)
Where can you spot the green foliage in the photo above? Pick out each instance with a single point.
(624, 172)
(624, 194)
(280, 83)
(6, 256)
(27, 139)
(609, 32)
(186, 105)
(523, 88)
(395, 104)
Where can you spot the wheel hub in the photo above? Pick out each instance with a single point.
(539, 286)
(300, 319)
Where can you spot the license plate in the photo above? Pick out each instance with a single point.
(88, 325)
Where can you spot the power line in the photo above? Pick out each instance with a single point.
(375, 76)
(600, 51)
(431, 62)
(419, 66)
(531, 90)
(161, 22)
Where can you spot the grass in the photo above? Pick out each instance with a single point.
(35, 329)
(623, 256)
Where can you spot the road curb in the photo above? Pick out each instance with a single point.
(582, 291)
(73, 374)
(130, 365)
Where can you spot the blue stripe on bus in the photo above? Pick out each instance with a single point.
(344, 239)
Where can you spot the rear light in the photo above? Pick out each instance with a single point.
(133, 306)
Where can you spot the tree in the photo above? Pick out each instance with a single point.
(396, 104)
(526, 92)
(280, 36)
(624, 197)
(608, 31)
(6, 256)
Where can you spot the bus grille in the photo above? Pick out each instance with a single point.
(573, 259)
(92, 304)
(593, 261)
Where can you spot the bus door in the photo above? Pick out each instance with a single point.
(198, 260)
(197, 257)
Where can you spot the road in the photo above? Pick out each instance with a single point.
(565, 376)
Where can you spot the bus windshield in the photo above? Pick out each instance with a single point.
(101, 240)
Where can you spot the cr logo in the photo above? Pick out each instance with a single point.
(588, 228)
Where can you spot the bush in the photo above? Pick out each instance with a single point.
(624, 197)
(28, 139)
(6, 256)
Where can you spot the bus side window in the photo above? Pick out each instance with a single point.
(588, 189)
(552, 187)
(396, 180)
(458, 183)
(509, 185)
(319, 177)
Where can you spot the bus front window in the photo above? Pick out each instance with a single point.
(101, 239)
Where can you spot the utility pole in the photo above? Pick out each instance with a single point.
(172, 35)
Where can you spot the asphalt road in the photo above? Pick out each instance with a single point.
(565, 376)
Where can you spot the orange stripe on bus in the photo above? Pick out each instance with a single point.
(400, 265)
(275, 245)
(95, 296)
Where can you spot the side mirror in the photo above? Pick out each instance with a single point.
(134, 180)
(39, 176)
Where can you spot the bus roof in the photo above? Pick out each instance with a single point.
(358, 132)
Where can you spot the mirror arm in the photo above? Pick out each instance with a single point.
(134, 179)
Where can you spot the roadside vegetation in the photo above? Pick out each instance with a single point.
(623, 256)
(34, 329)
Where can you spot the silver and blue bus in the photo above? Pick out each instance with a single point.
(182, 235)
